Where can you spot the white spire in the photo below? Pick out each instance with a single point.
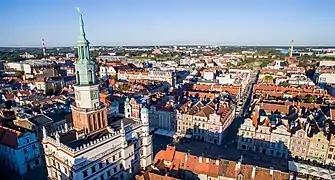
(123, 135)
(122, 126)
(66, 127)
(57, 137)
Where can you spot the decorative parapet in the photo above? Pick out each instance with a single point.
(84, 146)
(98, 156)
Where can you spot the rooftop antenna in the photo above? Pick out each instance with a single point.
(291, 50)
(43, 47)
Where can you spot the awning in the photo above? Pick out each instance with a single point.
(188, 136)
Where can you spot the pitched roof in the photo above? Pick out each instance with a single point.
(153, 176)
(9, 137)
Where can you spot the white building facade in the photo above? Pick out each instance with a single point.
(21, 154)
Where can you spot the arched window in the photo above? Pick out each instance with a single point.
(77, 77)
(82, 52)
(90, 77)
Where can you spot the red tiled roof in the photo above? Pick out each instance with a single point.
(9, 137)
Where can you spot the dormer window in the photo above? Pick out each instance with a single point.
(240, 177)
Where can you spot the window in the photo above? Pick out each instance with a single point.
(93, 169)
(102, 177)
(240, 177)
(108, 173)
(100, 165)
(113, 158)
(120, 154)
(107, 161)
(37, 162)
(27, 140)
(71, 174)
(34, 146)
(65, 169)
(25, 150)
(85, 174)
(58, 166)
(115, 169)
(331, 149)
(120, 166)
(90, 77)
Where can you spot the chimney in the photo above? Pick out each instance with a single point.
(239, 163)
(207, 160)
(186, 156)
(217, 162)
(253, 172)
(271, 171)
(200, 159)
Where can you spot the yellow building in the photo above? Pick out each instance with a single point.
(318, 147)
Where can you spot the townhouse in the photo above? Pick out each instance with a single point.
(288, 130)
(204, 120)
(181, 165)
(19, 150)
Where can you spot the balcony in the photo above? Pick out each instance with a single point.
(101, 106)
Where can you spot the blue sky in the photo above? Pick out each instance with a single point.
(147, 22)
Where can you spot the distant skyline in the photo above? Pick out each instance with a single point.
(149, 22)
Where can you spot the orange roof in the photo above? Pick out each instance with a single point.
(153, 176)
(271, 107)
(332, 114)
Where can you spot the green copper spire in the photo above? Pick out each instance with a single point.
(85, 67)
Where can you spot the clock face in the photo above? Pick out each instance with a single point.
(78, 95)
(94, 94)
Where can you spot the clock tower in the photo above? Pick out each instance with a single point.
(88, 113)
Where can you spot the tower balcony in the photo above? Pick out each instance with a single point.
(74, 107)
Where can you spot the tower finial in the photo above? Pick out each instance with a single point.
(81, 25)
(78, 10)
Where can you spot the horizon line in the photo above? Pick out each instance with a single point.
(240, 45)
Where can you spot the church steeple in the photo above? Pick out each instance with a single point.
(85, 66)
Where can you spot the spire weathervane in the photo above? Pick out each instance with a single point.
(78, 10)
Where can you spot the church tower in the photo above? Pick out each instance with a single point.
(88, 113)
(127, 108)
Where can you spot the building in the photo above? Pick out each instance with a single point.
(152, 74)
(331, 150)
(204, 121)
(181, 165)
(19, 150)
(163, 117)
(318, 147)
(299, 142)
(98, 146)
(31, 66)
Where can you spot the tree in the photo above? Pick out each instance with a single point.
(284, 83)
(8, 104)
(19, 74)
(311, 99)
